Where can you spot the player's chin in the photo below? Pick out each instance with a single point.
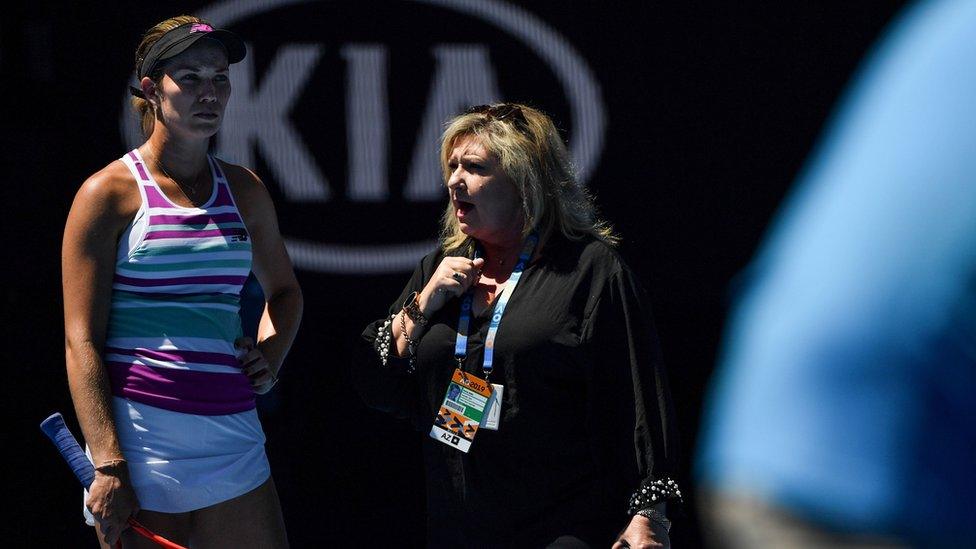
(204, 127)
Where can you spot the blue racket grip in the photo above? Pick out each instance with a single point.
(72, 453)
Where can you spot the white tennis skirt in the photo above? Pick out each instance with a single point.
(183, 462)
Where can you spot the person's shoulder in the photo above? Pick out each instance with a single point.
(236, 172)
(112, 187)
(112, 180)
(250, 194)
(240, 178)
(588, 252)
(599, 250)
(433, 258)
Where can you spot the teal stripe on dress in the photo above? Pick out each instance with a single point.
(221, 299)
(215, 264)
(213, 247)
(201, 227)
(174, 322)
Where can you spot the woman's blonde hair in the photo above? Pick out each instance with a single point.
(145, 110)
(530, 151)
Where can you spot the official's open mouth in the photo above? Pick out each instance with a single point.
(463, 207)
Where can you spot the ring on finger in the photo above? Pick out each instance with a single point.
(457, 276)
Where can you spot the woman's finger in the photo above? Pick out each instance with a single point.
(454, 287)
(255, 368)
(461, 264)
(257, 375)
(250, 357)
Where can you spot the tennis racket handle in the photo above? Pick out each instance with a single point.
(72, 453)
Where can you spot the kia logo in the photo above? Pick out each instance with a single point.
(283, 72)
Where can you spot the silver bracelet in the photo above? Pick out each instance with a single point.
(411, 343)
(383, 339)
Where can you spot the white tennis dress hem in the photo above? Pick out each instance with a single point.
(183, 462)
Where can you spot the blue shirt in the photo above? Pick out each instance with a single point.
(846, 392)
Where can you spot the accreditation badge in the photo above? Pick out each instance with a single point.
(462, 411)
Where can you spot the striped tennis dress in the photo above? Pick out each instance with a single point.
(184, 411)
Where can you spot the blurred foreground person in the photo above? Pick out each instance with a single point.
(844, 411)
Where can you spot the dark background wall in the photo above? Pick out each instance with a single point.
(710, 110)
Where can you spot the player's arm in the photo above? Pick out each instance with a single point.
(273, 270)
(102, 208)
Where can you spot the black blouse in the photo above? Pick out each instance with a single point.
(586, 411)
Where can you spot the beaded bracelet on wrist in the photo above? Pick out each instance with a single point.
(411, 344)
(383, 338)
(383, 342)
(653, 492)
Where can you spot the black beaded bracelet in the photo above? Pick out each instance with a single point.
(652, 492)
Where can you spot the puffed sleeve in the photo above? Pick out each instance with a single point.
(630, 415)
(391, 387)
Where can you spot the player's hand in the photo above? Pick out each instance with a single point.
(112, 501)
(256, 367)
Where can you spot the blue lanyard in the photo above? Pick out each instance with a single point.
(461, 345)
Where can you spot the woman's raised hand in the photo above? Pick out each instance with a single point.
(452, 278)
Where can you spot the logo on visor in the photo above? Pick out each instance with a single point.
(342, 115)
(200, 27)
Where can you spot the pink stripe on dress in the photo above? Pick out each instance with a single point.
(196, 219)
(138, 165)
(223, 196)
(189, 392)
(155, 199)
(162, 296)
(142, 171)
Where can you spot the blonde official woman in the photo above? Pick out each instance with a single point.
(524, 351)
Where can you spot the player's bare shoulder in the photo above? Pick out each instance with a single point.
(249, 192)
(239, 176)
(111, 191)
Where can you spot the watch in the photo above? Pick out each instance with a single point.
(411, 306)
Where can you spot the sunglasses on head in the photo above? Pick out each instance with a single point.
(500, 111)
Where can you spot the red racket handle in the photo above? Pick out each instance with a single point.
(149, 534)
